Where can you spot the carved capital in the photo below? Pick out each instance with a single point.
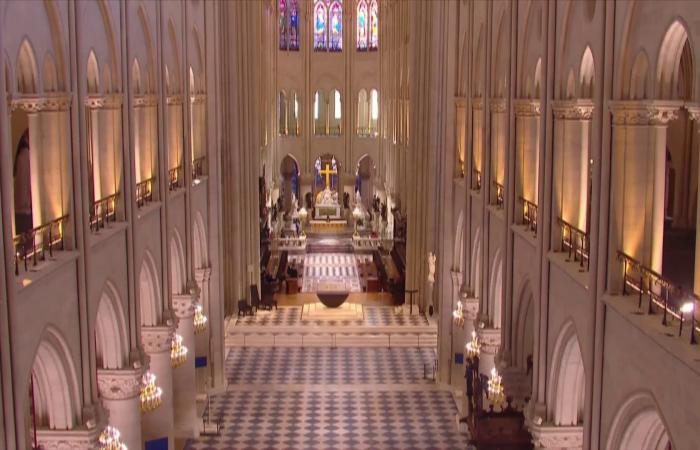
(693, 111)
(526, 107)
(498, 105)
(119, 384)
(174, 100)
(478, 103)
(34, 104)
(198, 98)
(183, 305)
(81, 439)
(460, 102)
(471, 308)
(157, 339)
(111, 101)
(554, 437)
(490, 339)
(456, 278)
(202, 275)
(644, 112)
(145, 100)
(580, 109)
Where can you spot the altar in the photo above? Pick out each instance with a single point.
(326, 204)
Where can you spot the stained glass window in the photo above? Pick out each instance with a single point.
(373, 26)
(320, 18)
(293, 25)
(283, 24)
(362, 25)
(336, 31)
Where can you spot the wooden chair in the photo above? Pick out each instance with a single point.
(244, 309)
(255, 299)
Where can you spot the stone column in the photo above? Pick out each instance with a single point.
(158, 424)
(527, 139)
(490, 339)
(639, 181)
(184, 376)
(694, 113)
(552, 437)
(204, 375)
(498, 145)
(572, 124)
(120, 392)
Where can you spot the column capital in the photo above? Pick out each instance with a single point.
(477, 103)
(183, 305)
(577, 109)
(527, 107)
(120, 384)
(110, 101)
(202, 274)
(490, 339)
(644, 112)
(693, 111)
(33, 104)
(456, 277)
(471, 308)
(497, 105)
(80, 439)
(157, 339)
(556, 437)
(145, 100)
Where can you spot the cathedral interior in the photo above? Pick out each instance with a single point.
(349, 224)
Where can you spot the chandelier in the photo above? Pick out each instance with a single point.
(458, 315)
(200, 320)
(495, 388)
(151, 395)
(109, 439)
(473, 346)
(178, 352)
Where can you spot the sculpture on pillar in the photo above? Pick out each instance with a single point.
(431, 267)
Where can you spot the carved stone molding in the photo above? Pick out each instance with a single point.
(145, 100)
(120, 384)
(34, 104)
(202, 275)
(460, 102)
(198, 98)
(81, 439)
(471, 308)
(498, 105)
(478, 103)
(157, 339)
(456, 277)
(174, 100)
(693, 111)
(526, 107)
(111, 101)
(644, 112)
(580, 109)
(554, 437)
(183, 305)
(490, 339)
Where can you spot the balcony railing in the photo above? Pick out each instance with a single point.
(673, 301)
(144, 192)
(575, 241)
(529, 214)
(198, 167)
(35, 243)
(175, 176)
(476, 180)
(103, 211)
(499, 194)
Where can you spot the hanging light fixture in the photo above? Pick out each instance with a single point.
(109, 440)
(151, 394)
(178, 352)
(458, 315)
(200, 320)
(473, 346)
(495, 388)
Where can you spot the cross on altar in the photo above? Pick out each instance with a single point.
(327, 172)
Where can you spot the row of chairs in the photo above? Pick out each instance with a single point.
(266, 303)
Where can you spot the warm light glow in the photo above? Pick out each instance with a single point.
(495, 388)
(474, 346)
(151, 394)
(178, 352)
(200, 320)
(687, 307)
(109, 440)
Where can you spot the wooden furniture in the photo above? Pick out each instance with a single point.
(257, 303)
(292, 286)
(373, 284)
(244, 309)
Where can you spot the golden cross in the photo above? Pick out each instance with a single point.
(327, 172)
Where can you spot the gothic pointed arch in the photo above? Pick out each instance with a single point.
(567, 380)
(111, 341)
(674, 65)
(586, 74)
(639, 425)
(178, 271)
(199, 243)
(26, 69)
(150, 302)
(523, 337)
(495, 297)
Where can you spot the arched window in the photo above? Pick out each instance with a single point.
(336, 31)
(282, 112)
(373, 112)
(362, 22)
(373, 26)
(293, 114)
(362, 113)
(319, 113)
(320, 19)
(336, 115)
(289, 24)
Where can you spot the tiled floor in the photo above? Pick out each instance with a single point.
(342, 399)
(292, 316)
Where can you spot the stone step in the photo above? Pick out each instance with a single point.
(331, 340)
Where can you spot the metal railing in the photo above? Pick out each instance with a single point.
(499, 194)
(576, 243)
(529, 214)
(33, 244)
(673, 300)
(198, 167)
(144, 192)
(103, 211)
(175, 178)
(476, 180)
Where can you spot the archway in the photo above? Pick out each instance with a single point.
(475, 278)
(150, 303)
(638, 425)
(199, 243)
(111, 343)
(495, 299)
(289, 172)
(566, 390)
(178, 272)
(524, 337)
(364, 181)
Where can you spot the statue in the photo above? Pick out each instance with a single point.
(431, 267)
(295, 202)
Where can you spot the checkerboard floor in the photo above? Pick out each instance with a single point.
(331, 399)
(292, 316)
(313, 366)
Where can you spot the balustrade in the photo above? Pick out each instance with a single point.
(175, 177)
(144, 192)
(35, 243)
(476, 180)
(529, 214)
(499, 194)
(198, 167)
(576, 242)
(103, 211)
